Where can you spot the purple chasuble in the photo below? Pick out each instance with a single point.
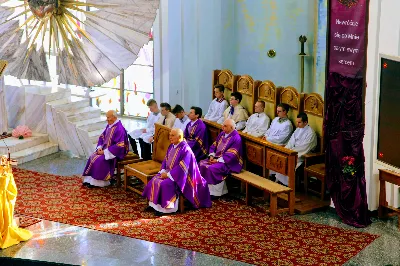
(115, 139)
(230, 149)
(182, 166)
(197, 138)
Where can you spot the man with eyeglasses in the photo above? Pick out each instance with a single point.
(236, 112)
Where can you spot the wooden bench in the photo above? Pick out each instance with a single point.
(274, 189)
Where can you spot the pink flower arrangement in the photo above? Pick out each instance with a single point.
(348, 165)
(22, 132)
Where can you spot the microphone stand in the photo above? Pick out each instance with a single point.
(8, 150)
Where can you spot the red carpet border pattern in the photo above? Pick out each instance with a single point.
(25, 221)
(229, 229)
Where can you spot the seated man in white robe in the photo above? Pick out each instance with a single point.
(258, 123)
(281, 127)
(218, 105)
(303, 140)
(181, 118)
(166, 119)
(144, 134)
(236, 112)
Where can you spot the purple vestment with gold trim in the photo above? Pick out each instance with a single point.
(181, 164)
(230, 149)
(197, 138)
(115, 139)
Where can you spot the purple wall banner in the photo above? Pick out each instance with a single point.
(347, 37)
(344, 123)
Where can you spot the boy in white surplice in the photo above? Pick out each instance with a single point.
(281, 127)
(303, 140)
(258, 123)
(218, 105)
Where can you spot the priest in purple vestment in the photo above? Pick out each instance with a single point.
(113, 145)
(196, 134)
(225, 157)
(179, 174)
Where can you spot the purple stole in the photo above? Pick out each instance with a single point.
(182, 166)
(196, 137)
(114, 139)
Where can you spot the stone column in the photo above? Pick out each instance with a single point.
(3, 110)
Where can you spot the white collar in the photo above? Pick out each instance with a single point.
(176, 145)
(227, 135)
(192, 122)
(114, 123)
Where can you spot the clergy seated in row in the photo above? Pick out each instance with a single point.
(144, 134)
(218, 105)
(196, 134)
(303, 140)
(281, 127)
(113, 145)
(258, 123)
(181, 119)
(166, 119)
(235, 111)
(179, 174)
(225, 157)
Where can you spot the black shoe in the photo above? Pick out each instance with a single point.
(214, 197)
(91, 186)
(148, 209)
(272, 177)
(113, 181)
(159, 214)
(85, 184)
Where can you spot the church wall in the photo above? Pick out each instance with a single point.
(195, 37)
(383, 37)
(275, 24)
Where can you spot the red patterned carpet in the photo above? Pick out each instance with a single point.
(228, 229)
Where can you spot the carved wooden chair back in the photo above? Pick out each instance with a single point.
(268, 93)
(314, 108)
(226, 78)
(247, 87)
(290, 96)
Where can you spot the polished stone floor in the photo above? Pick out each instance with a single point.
(64, 243)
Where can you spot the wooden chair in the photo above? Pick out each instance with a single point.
(268, 93)
(247, 87)
(314, 163)
(290, 96)
(129, 159)
(145, 170)
(226, 78)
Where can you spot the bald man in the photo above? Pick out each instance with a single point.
(112, 145)
(179, 174)
(225, 157)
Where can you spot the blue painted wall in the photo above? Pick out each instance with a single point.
(274, 24)
(203, 35)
